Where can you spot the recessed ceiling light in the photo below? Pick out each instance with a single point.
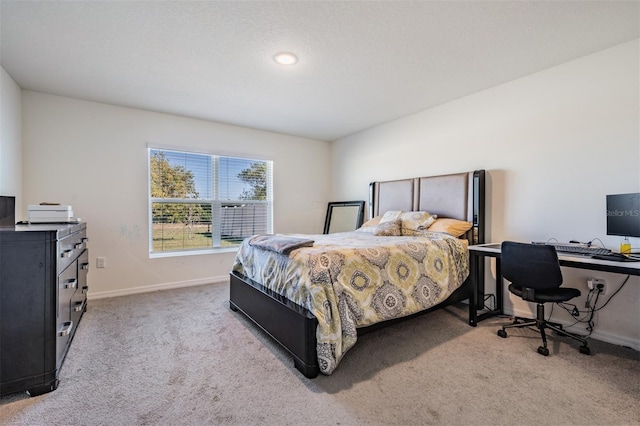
(285, 58)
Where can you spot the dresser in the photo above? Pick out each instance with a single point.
(43, 295)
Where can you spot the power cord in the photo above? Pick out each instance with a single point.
(589, 314)
(591, 242)
(614, 293)
(588, 243)
(591, 306)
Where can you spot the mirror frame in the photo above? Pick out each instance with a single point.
(334, 204)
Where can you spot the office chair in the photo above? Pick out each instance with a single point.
(535, 276)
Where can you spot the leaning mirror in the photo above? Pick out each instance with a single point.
(343, 216)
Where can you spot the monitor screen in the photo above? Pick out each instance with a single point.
(623, 215)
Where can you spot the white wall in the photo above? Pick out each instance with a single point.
(94, 157)
(553, 143)
(10, 139)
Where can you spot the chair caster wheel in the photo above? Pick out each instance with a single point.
(585, 350)
(502, 333)
(543, 351)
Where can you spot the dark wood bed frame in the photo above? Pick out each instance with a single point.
(459, 196)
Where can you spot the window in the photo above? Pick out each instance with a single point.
(206, 202)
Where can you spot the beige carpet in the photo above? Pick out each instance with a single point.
(182, 357)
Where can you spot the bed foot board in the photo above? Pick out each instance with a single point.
(291, 325)
(294, 327)
(308, 371)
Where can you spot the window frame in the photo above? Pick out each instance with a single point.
(216, 203)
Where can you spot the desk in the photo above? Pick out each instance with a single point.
(478, 252)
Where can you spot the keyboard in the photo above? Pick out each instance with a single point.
(579, 249)
(616, 257)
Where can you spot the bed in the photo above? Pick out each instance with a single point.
(317, 323)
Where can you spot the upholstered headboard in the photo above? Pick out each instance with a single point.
(458, 196)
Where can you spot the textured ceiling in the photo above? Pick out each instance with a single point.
(361, 63)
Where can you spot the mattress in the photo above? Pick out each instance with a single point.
(355, 279)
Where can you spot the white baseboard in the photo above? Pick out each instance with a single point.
(597, 335)
(156, 287)
(616, 340)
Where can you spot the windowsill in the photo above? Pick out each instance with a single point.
(192, 252)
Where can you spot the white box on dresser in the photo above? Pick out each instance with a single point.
(49, 213)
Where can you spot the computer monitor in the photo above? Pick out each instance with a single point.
(623, 215)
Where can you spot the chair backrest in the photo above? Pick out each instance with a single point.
(530, 265)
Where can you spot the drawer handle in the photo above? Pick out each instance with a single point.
(84, 266)
(85, 289)
(71, 283)
(85, 240)
(66, 253)
(67, 326)
(78, 246)
(79, 306)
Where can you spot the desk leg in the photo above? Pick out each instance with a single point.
(499, 291)
(473, 302)
(476, 272)
(479, 280)
(478, 277)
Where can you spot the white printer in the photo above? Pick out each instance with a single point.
(49, 213)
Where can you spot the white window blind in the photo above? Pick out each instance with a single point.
(206, 202)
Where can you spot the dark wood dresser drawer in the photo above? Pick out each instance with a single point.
(43, 295)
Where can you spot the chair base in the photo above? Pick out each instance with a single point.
(541, 324)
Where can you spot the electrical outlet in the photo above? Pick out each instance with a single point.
(597, 283)
(101, 262)
(593, 283)
(601, 285)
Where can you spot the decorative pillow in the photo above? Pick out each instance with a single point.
(388, 229)
(391, 215)
(455, 227)
(416, 221)
(370, 225)
(390, 224)
(414, 232)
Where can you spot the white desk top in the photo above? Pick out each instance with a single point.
(575, 260)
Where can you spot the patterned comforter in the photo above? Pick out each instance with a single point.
(354, 279)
